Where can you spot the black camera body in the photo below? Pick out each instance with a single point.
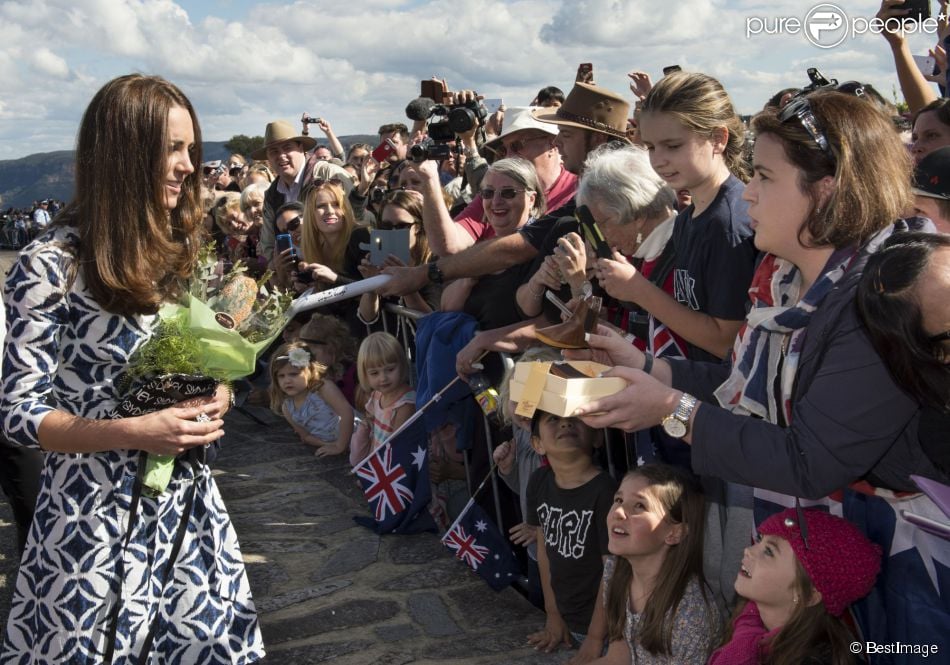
(429, 149)
(447, 120)
(456, 119)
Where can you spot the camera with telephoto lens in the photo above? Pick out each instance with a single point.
(445, 120)
(429, 149)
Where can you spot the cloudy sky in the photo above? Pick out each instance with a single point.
(357, 63)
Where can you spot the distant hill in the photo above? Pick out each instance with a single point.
(48, 175)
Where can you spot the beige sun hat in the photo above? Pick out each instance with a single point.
(518, 118)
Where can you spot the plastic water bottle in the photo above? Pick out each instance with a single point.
(485, 394)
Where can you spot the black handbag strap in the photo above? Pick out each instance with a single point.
(169, 567)
(172, 558)
(120, 564)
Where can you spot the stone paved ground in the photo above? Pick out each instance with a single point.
(329, 591)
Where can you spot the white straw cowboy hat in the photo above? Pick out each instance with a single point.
(277, 132)
(518, 118)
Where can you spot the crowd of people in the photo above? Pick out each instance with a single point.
(773, 295)
(18, 226)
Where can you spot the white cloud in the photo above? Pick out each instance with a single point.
(47, 63)
(359, 63)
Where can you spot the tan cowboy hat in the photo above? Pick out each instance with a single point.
(278, 132)
(590, 107)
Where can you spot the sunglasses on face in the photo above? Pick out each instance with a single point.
(507, 193)
(293, 224)
(391, 226)
(517, 146)
(940, 337)
(800, 109)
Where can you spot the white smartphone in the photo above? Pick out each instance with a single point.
(926, 64)
(493, 104)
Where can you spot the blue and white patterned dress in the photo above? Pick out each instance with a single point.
(64, 352)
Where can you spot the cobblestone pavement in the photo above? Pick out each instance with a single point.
(329, 591)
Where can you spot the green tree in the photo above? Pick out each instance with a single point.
(244, 145)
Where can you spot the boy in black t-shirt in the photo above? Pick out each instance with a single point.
(568, 501)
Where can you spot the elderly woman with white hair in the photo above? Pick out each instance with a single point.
(252, 204)
(635, 210)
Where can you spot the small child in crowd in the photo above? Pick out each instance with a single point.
(331, 344)
(568, 502)
(383, 368)
(314, 407)
(801, 575)
(517, 460)
(658, 607)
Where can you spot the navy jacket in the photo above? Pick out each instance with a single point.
(850, 421)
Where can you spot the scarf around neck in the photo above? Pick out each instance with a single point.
(769, 344)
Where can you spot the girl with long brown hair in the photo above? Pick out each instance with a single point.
(658, 607)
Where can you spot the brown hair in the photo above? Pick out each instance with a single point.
(871, 168)
(329, 331)
(700, 103)
(411, 202)
(941, 107)
(314, 370)
(810, 631)
(133, 252)
(682, 499)
(315, 246)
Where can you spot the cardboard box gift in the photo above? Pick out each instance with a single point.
(533, 386)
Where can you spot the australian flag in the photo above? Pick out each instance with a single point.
(395, 481)
(475, 539)
(910, 603)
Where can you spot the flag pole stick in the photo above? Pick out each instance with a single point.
(418, 414)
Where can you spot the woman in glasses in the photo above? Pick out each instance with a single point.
(401, 209)
(512, 196)
(807, 406)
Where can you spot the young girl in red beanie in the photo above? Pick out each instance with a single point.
(801, 575)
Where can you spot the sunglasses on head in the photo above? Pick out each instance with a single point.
(507, 193)
(800, 109)
(335, 180)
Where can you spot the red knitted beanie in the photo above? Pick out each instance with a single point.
(840, 561)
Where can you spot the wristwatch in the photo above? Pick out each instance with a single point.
(586, 290)
(435, 273)
(677, 423)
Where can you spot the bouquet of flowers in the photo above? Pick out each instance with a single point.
(214, 335)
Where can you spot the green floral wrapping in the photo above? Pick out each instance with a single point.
(224, 352)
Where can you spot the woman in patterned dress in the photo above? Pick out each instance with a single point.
(109, 574)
